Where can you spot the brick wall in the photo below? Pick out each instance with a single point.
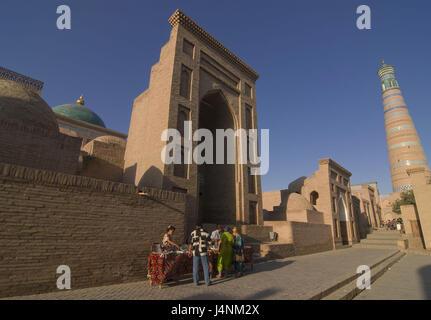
(103, 161)
(307, 238)
(35, 148)
(102, 230)
(271, 199)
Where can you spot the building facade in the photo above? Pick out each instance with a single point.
(328, 193)
(197, 79)
(369, 197)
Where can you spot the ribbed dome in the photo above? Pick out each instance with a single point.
(23, 106)
(79, 112)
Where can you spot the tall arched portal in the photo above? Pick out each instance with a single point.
(217, 192)
(199, 80)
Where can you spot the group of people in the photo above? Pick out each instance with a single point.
(394, 224)
(228, 242)
(230, 245)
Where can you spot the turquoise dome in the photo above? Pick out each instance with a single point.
(80, 112)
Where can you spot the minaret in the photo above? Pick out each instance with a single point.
(404, 146)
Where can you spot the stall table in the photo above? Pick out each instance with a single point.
(169, 266)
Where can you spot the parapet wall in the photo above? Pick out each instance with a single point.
(271, 199)
(36, 148)
(102, 230)
(307, 238)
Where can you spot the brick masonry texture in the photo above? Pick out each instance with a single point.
(57, 152)
(102, 230)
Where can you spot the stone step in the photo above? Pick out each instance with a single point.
(342, 282)
(383, 235)
(350, 289)
(383, 242)
(375, 246)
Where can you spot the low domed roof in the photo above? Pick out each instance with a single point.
(79, 112)
(111, 140)
(298, 202)
(25, 107)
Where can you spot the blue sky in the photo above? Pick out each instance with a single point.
(318, 93)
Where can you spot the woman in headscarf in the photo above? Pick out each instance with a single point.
(224, 260)
(238, 253)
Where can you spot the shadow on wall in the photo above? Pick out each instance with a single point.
(364, 226)
(97, 168)
(425, 274)
(130, 174)
(154, 178)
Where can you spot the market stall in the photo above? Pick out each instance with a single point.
(166, 266)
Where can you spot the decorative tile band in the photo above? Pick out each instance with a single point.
(19, 78)
(403, 136)
(394, 101)
(396, 94)
(395, 108)
(396, 114)
(400, 121)
(409, 163)
(390, 92)
(403, 188)
(404, 127)
(405, 144)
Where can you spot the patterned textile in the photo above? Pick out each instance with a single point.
(199, 239)
(171, 266)
(163, 267)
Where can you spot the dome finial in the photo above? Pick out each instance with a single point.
(383, 61)
(81, 100)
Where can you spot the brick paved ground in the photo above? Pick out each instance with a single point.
(408, 279)
(291, 278)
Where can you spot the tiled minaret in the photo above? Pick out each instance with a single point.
(404, 146)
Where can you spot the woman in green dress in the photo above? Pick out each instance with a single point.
(224, 260)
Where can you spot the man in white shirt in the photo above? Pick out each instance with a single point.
(216, 234)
